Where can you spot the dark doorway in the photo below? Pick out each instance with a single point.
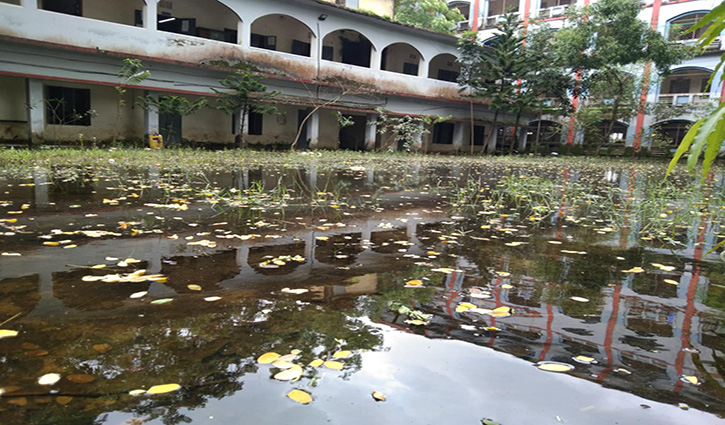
(356, 52)
(304, 141)
(352, 137)
(69, 7)
(170, 128)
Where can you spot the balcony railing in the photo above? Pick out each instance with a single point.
(683, 99)
(492, 21)
(553, 12)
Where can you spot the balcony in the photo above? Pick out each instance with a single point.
(682, 99)
(492, 21)
(553, 12)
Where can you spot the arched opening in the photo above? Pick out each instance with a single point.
(120, 12)
(282, 33)
(668, 134)
(619, 131)
(677, 28)
(199, 18)
(444, 67)
(401, 58)
(496, 8)
(686, 87)
(347, 46)
(463, 6)
(543, 135)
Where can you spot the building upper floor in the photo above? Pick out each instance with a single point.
(305, 40)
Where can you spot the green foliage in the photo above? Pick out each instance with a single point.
(343, 120)
(429, 14)
(172, 105)
(131, 73)
(707, 134)
(405, 129)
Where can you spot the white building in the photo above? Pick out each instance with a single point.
(684, 87)
(309, 50)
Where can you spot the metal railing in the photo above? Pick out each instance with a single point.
(694, 99)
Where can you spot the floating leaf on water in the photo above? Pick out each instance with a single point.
(624, 371)
(554, 242)
(503, 274)
(506, 286)
(316, 363)
(501, 312)
(579, 299)
(136, 392)
(295, 291)
(672, 282)
(691, 379)
(210, 299)
(162, 389)
(7, 333)
(292, 374)
(63, 400)
(287, 357)
(584, 359)
(634, 270)
(667, 268)
(102, 348)
(343, 354)
(282, 364)
(99, 266)
(378, 396)
(162, 301)
(416, 322)
(413, 283)
(489, 422)
(295, 351)
(268, 358)
(80, 378)
(514, 243)
(554, 366)
(302, 397)
(138, 294)
(49, 379)
(443, 270)
(332, 364)
(193, 287)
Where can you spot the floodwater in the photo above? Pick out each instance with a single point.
(429, 288)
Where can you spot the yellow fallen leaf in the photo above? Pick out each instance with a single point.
(316, 363)
(467, 306)
(287, 357)
(506, 286)
(63, 400)
(554, 367)
(462, 308)
(7, 333)
(51, 243)
(502, 310)
(282, 364)
(584, 359)
(416, 322)
(193, 287)
(667, 268)
(302, 397)
(554, 242)
(162, 389)
(378, 396)
(136, 392)
(414, 282)
(331, 364)
(691, 379)
(634, 270)
(292, 374)
(672, 282)
(49, 379)
(342, 354)
(268, 358)
(212, 299)
(579, 299)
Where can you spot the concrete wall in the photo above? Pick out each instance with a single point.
(208, 13)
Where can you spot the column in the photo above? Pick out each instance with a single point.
(241, 31)
(151, 117)
(35, 110)
(523, 135)
(492, 144)
(150, 15)
(371, 131)
(418, 140)
(458, 128)
(313, 129)
(30, 4)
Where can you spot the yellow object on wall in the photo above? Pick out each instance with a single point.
(156, 142)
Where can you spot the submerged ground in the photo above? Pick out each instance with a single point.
(153, 287)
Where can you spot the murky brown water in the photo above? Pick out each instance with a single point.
(234, 266)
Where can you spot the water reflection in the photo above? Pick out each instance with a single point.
(351, 239)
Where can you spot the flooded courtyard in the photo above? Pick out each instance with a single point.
(361, 290)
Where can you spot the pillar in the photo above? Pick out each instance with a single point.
(241, 30)
(151, 117)
(458, 128)
(35, 110)
(417, 144)
(313, 129)
(371, 131)
(492, 144)
(30, 4)
(523, 135)
(150, 15)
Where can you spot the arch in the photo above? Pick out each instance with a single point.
(669, 133)
(444, 67)
(677, 26)
(619, 131)
(401, 58)
(282, 33)
(687, 85)
(347, 46)
(209, 19)
(125, 13)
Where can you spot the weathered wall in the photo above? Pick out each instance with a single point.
(120, 12)
(293, 30)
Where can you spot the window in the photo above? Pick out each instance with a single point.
(256, 121)
(68, 106)
(300, 48)
(446, 75)
(479, 132)
(69, 7)
(678, 28)
(410, 68)
(443, 133)
(268, 42)
(680, 85)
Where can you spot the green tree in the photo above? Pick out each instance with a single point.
(707, 134)
(405, 130)
(496, 70)
(600, 40)
(244, 93)
(429, 14)
(131, 73)
(171, 105)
